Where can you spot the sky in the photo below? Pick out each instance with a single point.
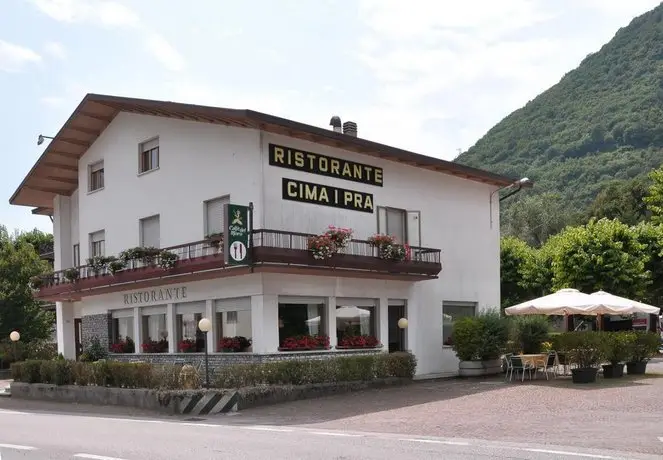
(430, 76)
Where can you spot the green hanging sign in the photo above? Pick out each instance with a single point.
(237, 234)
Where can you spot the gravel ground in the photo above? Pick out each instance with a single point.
(623, 415)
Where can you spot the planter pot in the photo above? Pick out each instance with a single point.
(613, 371)
(479, 368)
(638, 368)
(584, 375)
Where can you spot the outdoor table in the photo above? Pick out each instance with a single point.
(534, 360)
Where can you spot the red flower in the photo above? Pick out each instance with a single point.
(306, 342)
(359, 341)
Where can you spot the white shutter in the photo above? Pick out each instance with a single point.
(150, 232)
(414, 228)
(396, 224)
(149, 145)
(214, 215)
(382, 220)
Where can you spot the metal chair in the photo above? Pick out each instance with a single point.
(517, 365)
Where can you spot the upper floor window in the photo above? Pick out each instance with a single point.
(98, 243)
(214, 215)
(150, 232)
(149, 156)
(77, 255)
(404, 225)
(96, 176)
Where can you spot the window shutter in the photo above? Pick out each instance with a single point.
(150, 232)
(382, 220)
(97, 236)
(214, 215)
(149, 145)
(414, 228)
(97, 167)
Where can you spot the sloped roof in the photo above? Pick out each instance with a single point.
(56, 170)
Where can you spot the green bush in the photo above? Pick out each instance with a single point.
(585, 349)
(530, 332)
(94, 351)
(618, 346)
(480, 338)
(644, 346)
(302, 372)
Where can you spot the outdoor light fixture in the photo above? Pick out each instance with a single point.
(205, 325)
(14, 336)
(402, 323)
(41, 138)
(520, 183)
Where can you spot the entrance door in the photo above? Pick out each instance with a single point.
(78, 333)
(396, 334)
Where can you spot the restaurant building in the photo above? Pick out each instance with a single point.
(165, 213)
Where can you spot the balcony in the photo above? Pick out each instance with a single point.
(273, 251)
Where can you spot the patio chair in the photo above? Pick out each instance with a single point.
(506, 363)
(550, 364)
(516, 365)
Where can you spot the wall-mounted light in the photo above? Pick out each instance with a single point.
(41, 138)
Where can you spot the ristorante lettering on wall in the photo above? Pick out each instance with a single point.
(155, 295)
(323, 165)
(326, 195)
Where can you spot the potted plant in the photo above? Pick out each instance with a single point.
(479, 342)
(116, 265)
(584, 349)
(644, 346)
(187, 346)
(98, 263)
(618, 347)
(358, 341)
(167, 259)
(531, 332)
(215, 240)
(305, 343)
(388, 248)
(125, 345)
(72, 275)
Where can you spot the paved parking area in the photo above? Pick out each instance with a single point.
(624, 414)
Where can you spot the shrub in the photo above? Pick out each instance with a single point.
(585, 349)
(530, 332)
(618, 346)
(95, 351)
(644, 346)
(480, 338)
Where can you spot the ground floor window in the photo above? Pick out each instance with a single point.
(302, 326)
(356, 326)
(122, 333)
(235, 330)
(190, 339)
(452, 312)
(155, 333)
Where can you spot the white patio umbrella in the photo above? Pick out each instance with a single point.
(605, 303)
(560, 303)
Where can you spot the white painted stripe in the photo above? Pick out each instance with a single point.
(13, 412)
(326, 433)
(267, 428)
(17, 447)
(96, 457)
(571, 454)
(435, 441)
(200, 424)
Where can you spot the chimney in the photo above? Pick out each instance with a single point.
(335, 123)
(350, 128)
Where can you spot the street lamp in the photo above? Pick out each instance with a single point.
(14, 336)
(205, 325)
(41, 138)
(402, 323)
(520, 183)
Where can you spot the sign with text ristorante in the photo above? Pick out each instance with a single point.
(237, 234)
(323, 165)
(326, 195)
(155, 295)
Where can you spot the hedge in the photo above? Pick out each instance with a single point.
(157, 376)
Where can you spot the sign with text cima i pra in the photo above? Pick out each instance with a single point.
(237, 234)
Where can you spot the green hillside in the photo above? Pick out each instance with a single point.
(603, 121)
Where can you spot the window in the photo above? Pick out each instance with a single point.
(148, 156)
(189, 337)
(98, 243)
(96, 176)
(401, 224)
(77, 255)
(155, 333)
(233, 327)
(123, 340)
(451, 312)
(353, 321)
(305, 319)
(150, 232)
(214, 215)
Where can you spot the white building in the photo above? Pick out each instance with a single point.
(125, 173)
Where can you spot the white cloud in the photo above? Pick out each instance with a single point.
(52, 101)
(14, 58)
(164, 52)
(108, 13)
(56, 50)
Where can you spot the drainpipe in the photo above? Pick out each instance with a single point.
(519, 183)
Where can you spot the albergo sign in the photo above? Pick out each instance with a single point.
(323, 165)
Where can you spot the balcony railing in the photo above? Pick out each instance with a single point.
(269, 248)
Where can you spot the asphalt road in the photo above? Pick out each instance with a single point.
(37, 436)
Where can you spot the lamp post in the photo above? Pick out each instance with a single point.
(520, 183)
(402, 325)
(205, 325)
(14, 336)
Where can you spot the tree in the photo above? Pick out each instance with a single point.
(515, 258)
(651, 236)
(18, 309)
(654, 198)
(623, 200)
(602, 255)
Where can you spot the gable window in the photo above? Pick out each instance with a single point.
(96, 176)
(404, 225)
(98, 243)
(150, 232)
(77, 255)
(148, 156)
(214, 215)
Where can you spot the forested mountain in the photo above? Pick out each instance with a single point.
(603, 122)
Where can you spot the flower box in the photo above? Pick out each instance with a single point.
(305, 343)
(358, 341)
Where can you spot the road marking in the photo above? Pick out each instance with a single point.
(327, 433)
(435, 441)
(267, 428)
(17, 447)
(96, 457)
(200, 424)
(572, 454)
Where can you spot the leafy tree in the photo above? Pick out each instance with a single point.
(651, 236)
(654, 198)
(18, 310)
(515, 259)
(622, 200)
(602, 255)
